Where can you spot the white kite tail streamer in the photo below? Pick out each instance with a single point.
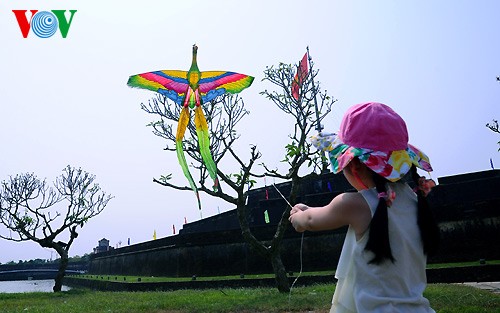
(300, 251)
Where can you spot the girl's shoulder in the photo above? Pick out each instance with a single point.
(351, 199)
(357, 211)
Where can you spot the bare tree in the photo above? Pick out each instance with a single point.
(494, 125)
(223, 115)
(28, 210)
(494, 128)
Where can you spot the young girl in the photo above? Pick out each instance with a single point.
(391, 229)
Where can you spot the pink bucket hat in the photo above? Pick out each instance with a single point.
(378, 137)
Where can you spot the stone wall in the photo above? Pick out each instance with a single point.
(218, 253)
(467, 208)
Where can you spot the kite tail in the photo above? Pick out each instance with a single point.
(204, 142)
(181, 129)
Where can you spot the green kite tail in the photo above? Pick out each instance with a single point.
(181, 129)
(185, 169)
(204, 142)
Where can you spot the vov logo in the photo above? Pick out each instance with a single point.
(44, 23)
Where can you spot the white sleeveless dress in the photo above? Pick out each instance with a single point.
(388, 287)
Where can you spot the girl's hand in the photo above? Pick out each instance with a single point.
(297, 217)
(298, 208)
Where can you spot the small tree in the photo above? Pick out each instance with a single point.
(494, 125)
(307, 110)
(223, 114)
(494, 128)
(27, 210)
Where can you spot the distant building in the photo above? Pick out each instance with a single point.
(103, 246)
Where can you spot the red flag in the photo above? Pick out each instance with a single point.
(299, 77)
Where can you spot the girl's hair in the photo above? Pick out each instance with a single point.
(378, 239)
(429, 229)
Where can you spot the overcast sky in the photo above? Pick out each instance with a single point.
(65, 101)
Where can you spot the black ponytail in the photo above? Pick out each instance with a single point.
(378, 239)
(429, 230)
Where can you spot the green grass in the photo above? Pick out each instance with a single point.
(460, 264)
(135, 279)
(444, 298)
(143, 279)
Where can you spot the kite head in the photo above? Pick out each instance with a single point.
(377, 136)
(194, 68)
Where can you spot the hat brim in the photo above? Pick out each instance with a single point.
(392, 165)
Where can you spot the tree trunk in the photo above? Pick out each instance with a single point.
(270, 253)
(280, 276)
(63, 264)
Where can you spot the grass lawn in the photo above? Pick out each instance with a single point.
(134, 279)
(444, 298)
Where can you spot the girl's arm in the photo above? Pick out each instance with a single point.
(345, 209)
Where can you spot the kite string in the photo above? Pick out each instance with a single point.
(282, 196)
(300, 272)
(300, 251)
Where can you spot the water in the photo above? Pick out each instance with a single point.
(17, 286)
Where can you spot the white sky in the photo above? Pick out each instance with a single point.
(65, 101)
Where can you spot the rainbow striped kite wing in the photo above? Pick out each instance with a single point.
(216, 83)
(171, 83)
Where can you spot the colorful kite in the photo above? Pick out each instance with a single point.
(191, 89)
